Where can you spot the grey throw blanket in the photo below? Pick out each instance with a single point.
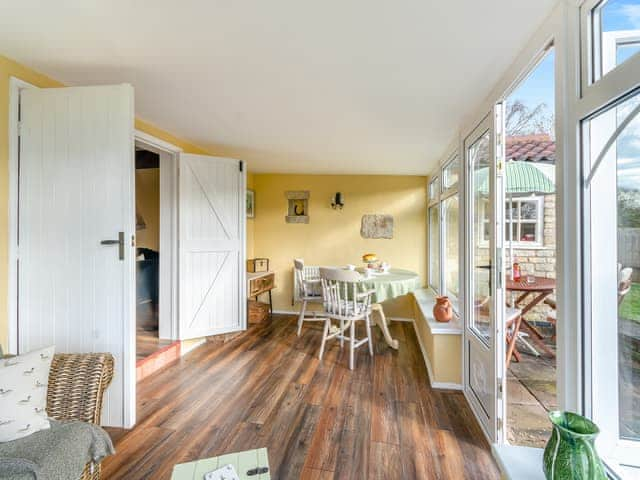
(59, 453)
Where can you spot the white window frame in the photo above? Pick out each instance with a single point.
(539, 222)
(444, 193)
(600, 92)
(595, 55)
(434, 190)
(436, 286)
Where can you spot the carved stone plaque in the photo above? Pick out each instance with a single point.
(377, 226)
(298, 206)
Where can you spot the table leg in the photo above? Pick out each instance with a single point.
(536, 336)
(381, 321)
(270, 304)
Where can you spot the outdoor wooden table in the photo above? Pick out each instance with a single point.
(540, 288)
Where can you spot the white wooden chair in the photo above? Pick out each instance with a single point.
(309, 291)
(344, 301)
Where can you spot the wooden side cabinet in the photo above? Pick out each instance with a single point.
(259, 283)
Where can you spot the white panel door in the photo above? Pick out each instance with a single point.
(76, 191)
(212, 222)
(484, 291)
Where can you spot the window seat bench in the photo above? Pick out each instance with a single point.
(441, 343)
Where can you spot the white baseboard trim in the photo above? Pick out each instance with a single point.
(400, 319)
(436, 385)
(286, 312)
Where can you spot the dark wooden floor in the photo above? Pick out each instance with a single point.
(147, 342)
(319, 420)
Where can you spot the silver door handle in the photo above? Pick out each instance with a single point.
(119, 242)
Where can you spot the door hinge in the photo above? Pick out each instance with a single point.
(500, 388)
(241, 165)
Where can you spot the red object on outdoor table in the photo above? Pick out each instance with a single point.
(541, 288)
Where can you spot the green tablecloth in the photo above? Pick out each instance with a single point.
(393, 284)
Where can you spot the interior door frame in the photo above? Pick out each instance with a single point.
(169, 325)
(493, 123)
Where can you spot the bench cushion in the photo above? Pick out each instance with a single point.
(23, 394)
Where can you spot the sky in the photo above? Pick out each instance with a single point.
(625, 15)
(538, 88)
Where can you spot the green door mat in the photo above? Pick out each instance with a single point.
(241, 461)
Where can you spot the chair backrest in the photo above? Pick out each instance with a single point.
(298, 266)
(340, 290)
(77, 382)
(624, 282)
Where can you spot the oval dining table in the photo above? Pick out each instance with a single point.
(387, 285)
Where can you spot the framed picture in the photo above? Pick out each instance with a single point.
(251, 203)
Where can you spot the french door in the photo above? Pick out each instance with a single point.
(484, 279)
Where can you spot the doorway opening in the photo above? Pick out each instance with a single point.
(157, 341)
(530, 255)
(147, 179)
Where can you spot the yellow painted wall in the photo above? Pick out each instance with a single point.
(8, 69)
(250, 221)
(332, 237)
(148, 206)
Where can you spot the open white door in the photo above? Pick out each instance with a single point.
(75, 228)
(484, 285)
(211, 211)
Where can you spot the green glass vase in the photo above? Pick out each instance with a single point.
(570, 453)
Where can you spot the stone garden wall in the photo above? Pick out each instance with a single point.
(538, 261)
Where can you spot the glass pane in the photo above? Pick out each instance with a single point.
(450, 173)
(513, 214)
(433, 189)
(529, 210)
(616, 272)
(527, 232)
(434, 248)
(479, 159)
(617, 31)
(626, 51)
(514, 231)
(450, 213)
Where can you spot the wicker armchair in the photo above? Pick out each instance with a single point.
(77, 383)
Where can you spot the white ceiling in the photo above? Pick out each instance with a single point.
(325, 86)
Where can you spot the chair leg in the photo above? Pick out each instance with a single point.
(352, 339)
(368, 324)
(341, 333)
(303, 308)
(325, 333)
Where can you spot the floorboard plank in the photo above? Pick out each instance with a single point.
(318, 419)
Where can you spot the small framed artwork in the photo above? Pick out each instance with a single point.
(251, 203)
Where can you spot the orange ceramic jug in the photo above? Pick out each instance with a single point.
(442, 310)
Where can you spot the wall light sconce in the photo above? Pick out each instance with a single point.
(337, 202)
